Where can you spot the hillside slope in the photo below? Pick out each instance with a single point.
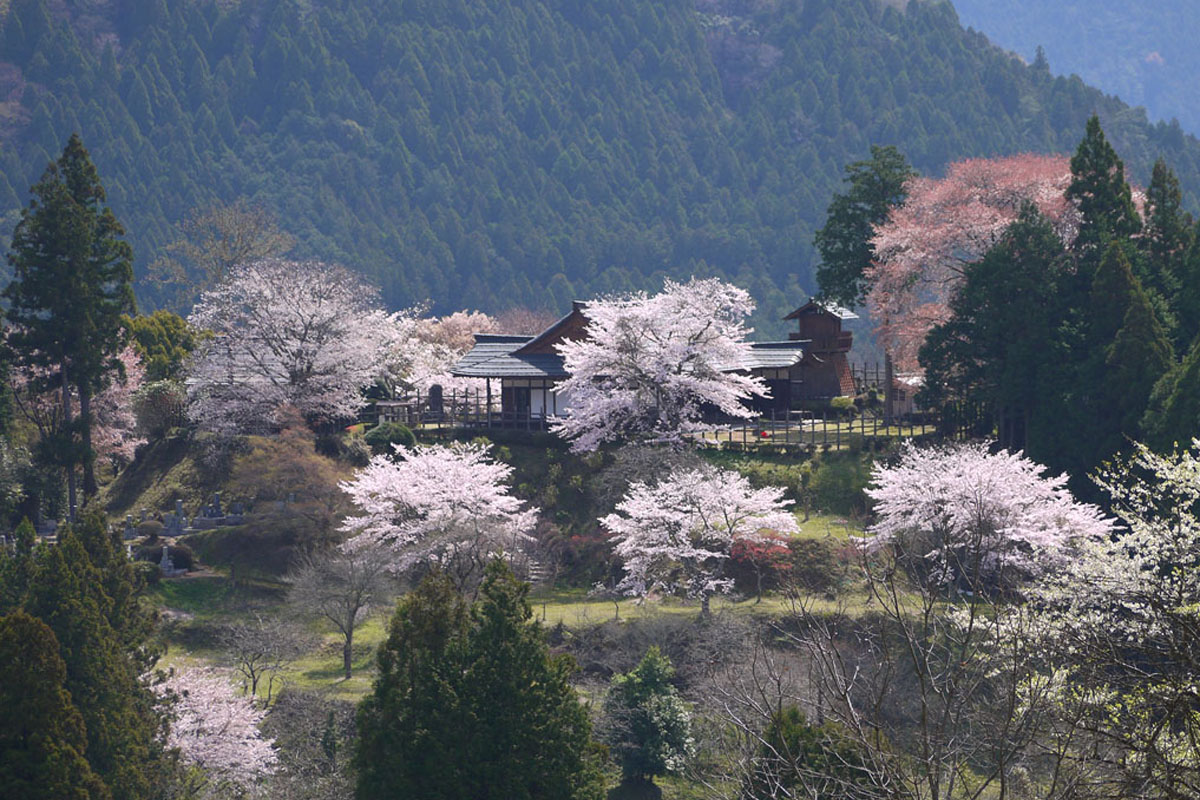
(1145, 54)
(486, 154)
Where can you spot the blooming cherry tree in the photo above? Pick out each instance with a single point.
(1120, 622)
(963, 514)
(304, 334)
(444, 505)
(946, 223)
(115, 435)
(676, 535)
(649, 365)
(217, 729)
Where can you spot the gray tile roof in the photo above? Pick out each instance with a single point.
(493, 356)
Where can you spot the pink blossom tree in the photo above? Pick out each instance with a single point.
(115, 434)
(217, 730)
(424, 350)
(438, 505)
(303, 334)
(676, 535)
(946, 223)
(650, 364)
(961, 514)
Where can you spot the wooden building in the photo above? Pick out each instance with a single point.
(526, 370)
(824, 372)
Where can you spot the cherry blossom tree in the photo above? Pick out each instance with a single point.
(304, 334)
(961, 514)
(946, 223)
(1120, 623)
(115, 434)
(438, 505)
(676, 535)
(217, 730)
(424, 349)
(649, 365)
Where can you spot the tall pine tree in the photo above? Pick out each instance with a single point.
(472, 705)
(1105, 200)
(72, 283)
(42, 735)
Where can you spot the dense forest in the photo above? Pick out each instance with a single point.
(1146, 59)
(493, 154)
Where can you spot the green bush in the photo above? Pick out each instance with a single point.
(844, 407)
(181, 555)
(383, 436)
(839, 481)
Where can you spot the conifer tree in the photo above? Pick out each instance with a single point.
(473, 705)
(67, 592)
(1139, 356)
(876, 186)
(1105, 199)
(16, 567)
(1166, 237)
(42, 735)
(648, 725)
(72, 284)
(1173, 416)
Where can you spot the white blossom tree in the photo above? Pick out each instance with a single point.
(650, 365)
(1120, 624)
(115, 435)
(424, 349)
(676, 535)
(438, 505)
(961, 514)
(216, 729)
(304, 334)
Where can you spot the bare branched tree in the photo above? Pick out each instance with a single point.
(213, 240)
(343, 588)
(261, 648)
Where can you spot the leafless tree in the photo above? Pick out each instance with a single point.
(213, 240)
(261, 648)
(343, 588)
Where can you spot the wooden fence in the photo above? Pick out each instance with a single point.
(471, 409)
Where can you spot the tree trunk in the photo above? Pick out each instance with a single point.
(70, 465)
(705, 611)
(89, 459)
(346, 650)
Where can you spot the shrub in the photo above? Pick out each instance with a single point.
(383, 436)
(159, 407)
(818, 565)
(844, 407)
(839, 481)
(181, 555)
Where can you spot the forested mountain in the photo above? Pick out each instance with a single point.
(486, 154)
(1145, 54)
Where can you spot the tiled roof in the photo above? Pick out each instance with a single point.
(493, 357)
(829, 308)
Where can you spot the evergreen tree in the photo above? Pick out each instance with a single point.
(797, 759)
(876, 186)
(72, 283)
(16, 568)
(1167, 234)
(1104, 198)
(1138, 358)
(67, 592)
(42, 735)
(472, 705)
(1173, 416)
(998, 349)
(648, 726)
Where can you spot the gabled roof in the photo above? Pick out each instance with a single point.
(770, 355)
(567, 328)
(820, 307)
(495, 356)
(508, 356)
